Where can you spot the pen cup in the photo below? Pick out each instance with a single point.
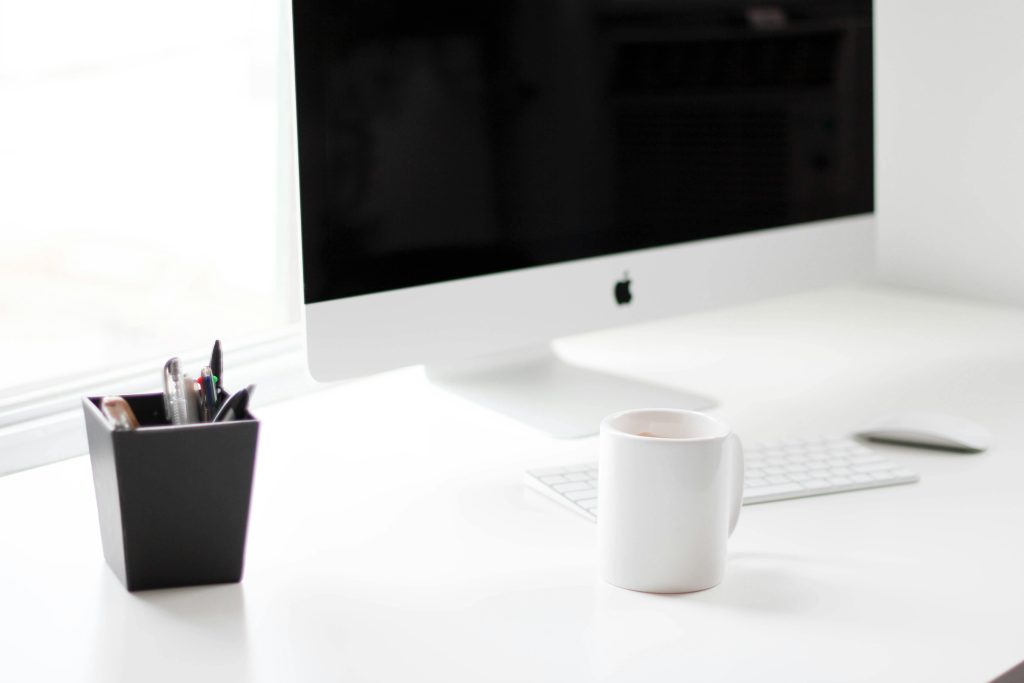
(173, 500)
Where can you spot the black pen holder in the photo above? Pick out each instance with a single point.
(173, 500)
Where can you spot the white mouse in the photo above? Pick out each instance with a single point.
(929, 430)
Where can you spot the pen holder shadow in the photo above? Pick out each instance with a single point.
(173, 500)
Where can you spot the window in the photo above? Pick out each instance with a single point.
(139, 157)
(143, 209)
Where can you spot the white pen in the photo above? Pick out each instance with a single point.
(172, 370)
(191, 399)
(179, 394)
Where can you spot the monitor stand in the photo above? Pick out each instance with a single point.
(538, 388)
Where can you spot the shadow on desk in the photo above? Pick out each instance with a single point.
(770, 582)
(207, 625)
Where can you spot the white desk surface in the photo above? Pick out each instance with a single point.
(391, 538)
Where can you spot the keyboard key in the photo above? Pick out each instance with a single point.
(571, 486)
(771, 490)
(553, 479)
(753, 482)
(840, 481)
(778, 479)
(872, 466)
(577, 476)
(588, 504)
(581, 495)
(815, 484)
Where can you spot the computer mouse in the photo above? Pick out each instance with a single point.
(929, 430)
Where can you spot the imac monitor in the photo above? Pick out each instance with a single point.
(477, 179)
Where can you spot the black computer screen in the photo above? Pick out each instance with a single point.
(447, 139)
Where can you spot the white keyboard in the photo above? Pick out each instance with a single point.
(790, 468)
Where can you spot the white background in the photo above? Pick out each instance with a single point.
(950, 147)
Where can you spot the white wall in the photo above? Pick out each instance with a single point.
(950, 127)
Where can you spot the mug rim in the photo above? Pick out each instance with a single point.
(607, 426)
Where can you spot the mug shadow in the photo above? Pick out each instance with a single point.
(772, 582)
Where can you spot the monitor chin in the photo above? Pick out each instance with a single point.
(536, 387)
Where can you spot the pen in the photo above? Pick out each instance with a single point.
(179, 394)
(120, 414)
(172, 368)
(217, 368)
(236, 405)
(175, 398)
(207, 395)
(188, 390)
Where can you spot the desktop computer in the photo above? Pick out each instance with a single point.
(477, 179)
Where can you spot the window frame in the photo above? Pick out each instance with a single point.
(46, 425)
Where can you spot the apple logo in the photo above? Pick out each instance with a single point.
(622, 293)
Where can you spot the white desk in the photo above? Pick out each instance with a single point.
(391, 538)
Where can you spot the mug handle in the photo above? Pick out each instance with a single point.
(736, 451)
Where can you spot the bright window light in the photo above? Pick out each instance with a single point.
(139, 183)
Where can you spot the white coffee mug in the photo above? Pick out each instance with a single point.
(669, 494)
